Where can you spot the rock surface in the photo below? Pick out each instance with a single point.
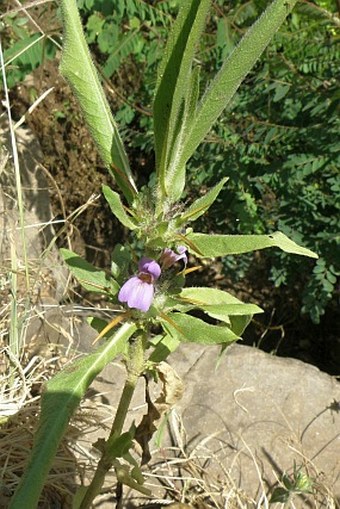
(37, 244)
(266, 411)
(258, 415)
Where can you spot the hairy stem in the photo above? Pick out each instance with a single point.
(135, 367)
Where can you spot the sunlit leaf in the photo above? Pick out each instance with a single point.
(233, 71)
(176, 91)
(193, 330)
(217, 303)
(60, 399)
(91, 278)
(117, 208)
(222, 245)
(78, 68)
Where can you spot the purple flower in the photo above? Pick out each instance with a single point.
(138, 291)
(169, 257)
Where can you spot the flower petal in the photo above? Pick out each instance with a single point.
(142, 296)
(150, 267)
(128, 289)
(181, 250)
(137, 294)
(182, 254)
(169, 257)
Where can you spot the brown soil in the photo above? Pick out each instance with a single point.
(71, 162)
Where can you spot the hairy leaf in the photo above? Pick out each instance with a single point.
(77, 67)
(222, 245)
(238, 323)
(193, 330)
(117, 208)
(201, 205)
(91, 278)
(164, 347)
(232, 73)
(60, 399)
(174, 96)
(217, 303)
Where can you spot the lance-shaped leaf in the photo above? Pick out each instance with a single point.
(216, 303)
(189, 329)
(201, 205)
(176, 94)
(77, 67)
(165, 345)
(194, 91)
(222, 245)
(238, 323)
(121, 258)
(91, 278)
(232, 73)
(60, 399)
(113, 199)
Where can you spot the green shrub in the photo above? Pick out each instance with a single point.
(280, 148)
(25, 48)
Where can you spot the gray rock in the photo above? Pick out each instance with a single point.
(263, 413)
(38, 246)
(256, 415)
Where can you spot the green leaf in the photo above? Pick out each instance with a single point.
(238, 323)
(77, 67)
(193, 330)
(280, 495)
(78, 496)
(127, 477)
(27, 51)
(280, 92)
(117, 208)
(91, 278)
(327, 286)
(222, 245)
(60, 399)
(201, 205)
(123, 47)
(233, 71)
(119, 446)
(223, 312)
(193, 94)
(174, 96)
(208, 296)
(121, 258)
(94, 26)
(164, 348)
(217, 303)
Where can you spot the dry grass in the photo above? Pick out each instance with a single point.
(21, 385)
(19, 410)
(196, 475)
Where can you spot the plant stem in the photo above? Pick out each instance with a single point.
(135, 367)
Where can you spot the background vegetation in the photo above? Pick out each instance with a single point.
(277, 142)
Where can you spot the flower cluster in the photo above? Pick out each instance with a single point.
(138, 291)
